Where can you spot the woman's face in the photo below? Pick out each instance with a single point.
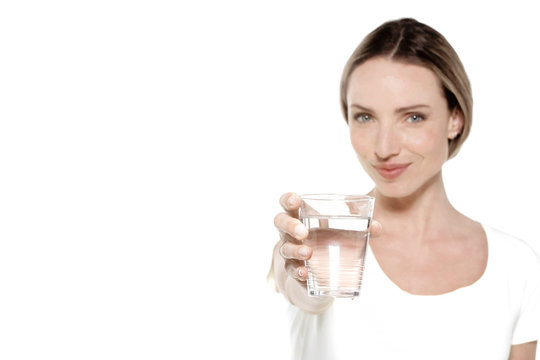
(399, 124)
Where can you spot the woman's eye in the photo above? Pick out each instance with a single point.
(415, 118)
(362, 118)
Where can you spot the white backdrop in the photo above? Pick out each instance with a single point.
(144, 146)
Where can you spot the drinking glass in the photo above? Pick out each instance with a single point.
(338, 228)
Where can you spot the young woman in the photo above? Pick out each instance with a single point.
(437, 284)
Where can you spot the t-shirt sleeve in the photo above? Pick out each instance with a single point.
(310, 334)
(527, 327)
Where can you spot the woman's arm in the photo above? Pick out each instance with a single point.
(526, 351)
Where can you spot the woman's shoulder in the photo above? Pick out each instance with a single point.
(514, 250)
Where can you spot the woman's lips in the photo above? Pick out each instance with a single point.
(391, 171)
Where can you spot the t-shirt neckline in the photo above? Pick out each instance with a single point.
(374, 262)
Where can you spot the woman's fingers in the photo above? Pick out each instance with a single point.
(294, 256)
(292, 233)
(289, 225)
(293, 251)
(296, 270)
(290, 202)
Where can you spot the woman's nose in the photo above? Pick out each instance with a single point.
(388, 143)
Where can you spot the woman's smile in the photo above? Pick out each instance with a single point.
(391, 171)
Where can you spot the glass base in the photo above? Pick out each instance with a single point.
(338, 293)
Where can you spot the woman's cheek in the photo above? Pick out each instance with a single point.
(426, 143)
(361, 141)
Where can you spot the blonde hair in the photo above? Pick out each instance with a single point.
(410, 41)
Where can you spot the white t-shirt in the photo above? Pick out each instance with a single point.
(480, 321)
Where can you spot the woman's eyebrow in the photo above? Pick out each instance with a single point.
(361, 108)
(397, 111)
(412, 107)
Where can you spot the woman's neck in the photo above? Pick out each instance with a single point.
(423, 213)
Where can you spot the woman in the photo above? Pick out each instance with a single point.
(437, 285)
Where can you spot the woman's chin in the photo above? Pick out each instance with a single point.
(392, 190)
(404, 189)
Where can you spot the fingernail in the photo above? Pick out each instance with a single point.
(303, 251)
(301, 273)
(300, 231)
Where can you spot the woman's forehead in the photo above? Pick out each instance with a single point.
(382, 79)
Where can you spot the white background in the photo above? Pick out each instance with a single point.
(144, 146)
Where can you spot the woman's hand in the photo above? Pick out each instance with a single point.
(292, 232)
(289, 271)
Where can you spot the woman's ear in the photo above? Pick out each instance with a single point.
(455, 123)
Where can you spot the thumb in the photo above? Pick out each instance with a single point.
(375, 229)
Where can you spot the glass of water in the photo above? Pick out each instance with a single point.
(338, 228)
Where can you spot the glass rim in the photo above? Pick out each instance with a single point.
(336, 197)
